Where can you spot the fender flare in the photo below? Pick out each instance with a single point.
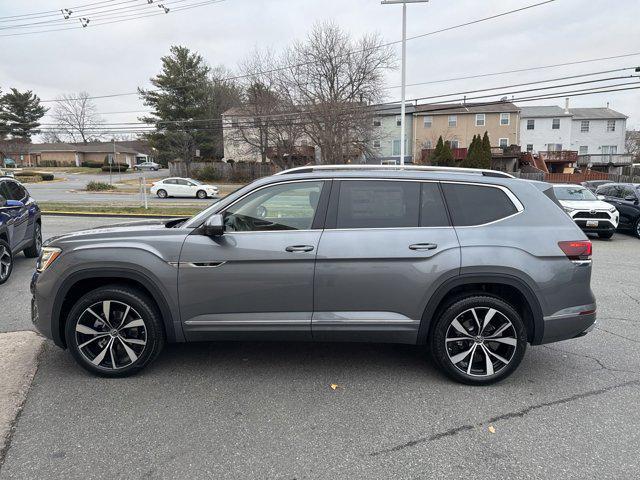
(171, 325)
(467, 279)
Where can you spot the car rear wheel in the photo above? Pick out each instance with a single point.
(36, 245)
(114, 331)
(162, 193)
(6, 261)
(201, 194)
(478, 340)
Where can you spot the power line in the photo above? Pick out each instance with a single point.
(78, 7)
(87, 25)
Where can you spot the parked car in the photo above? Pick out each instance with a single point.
(589, 213)
(183, 187)
(626, 198)
(594, 184)
(6, 173)
(473, 264)
(20, 229)
(147, 166)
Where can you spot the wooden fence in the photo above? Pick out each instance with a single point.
(223, 172)
(629, 175)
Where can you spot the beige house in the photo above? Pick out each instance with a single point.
(458, 123)
(75, 154)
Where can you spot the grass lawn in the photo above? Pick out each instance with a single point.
(178, 210)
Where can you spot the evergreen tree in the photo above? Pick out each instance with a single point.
(20, 115)
(446, 157)
(473, 152)
(434, 158)
(485, 158)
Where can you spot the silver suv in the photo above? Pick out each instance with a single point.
(473, 264)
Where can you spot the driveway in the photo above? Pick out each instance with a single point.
(267, 410)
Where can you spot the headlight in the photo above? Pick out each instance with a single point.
(47, 257)
(569, 209)
(612, 209)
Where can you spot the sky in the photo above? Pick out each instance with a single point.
(120, 57)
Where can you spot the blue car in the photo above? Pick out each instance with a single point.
(20, 225)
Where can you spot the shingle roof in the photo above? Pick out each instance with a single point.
(543, 111)
(93, 147)
(454, 108)
(595, 113)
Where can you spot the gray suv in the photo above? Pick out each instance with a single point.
(473, 264)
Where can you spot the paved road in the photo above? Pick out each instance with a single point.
(266, 410)
(71, 190)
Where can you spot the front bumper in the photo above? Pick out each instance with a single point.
(596, 221)
(572, 323)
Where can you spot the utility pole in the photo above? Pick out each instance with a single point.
(404, 68)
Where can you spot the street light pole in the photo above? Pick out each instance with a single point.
(404, 69)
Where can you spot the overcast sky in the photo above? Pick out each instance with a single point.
(120, 57)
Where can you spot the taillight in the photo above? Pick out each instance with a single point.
(576, 250)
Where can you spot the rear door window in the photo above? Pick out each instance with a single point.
(476, 204)
(433, 212)
(378, 204)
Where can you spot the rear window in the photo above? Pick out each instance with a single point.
(476, 204)
(378, 204)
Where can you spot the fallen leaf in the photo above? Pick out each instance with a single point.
(492, 429)
(334, 386)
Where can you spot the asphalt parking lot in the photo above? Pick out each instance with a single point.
(266, 410)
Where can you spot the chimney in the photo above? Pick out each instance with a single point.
(566, 105)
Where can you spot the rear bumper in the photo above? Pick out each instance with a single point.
(570, 323)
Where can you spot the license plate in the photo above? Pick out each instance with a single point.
(592, 223)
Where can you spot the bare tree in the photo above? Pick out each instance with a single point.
(632, 144)
(332, 79)
(76, 117)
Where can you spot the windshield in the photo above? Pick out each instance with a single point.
(574, 193)
(194, 181)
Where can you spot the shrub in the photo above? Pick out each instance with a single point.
(28, 173)
(49, 163)
(208, 174)
(92, 164)
(122, 167)
(99, 186)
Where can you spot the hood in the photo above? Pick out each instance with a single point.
(586, 204)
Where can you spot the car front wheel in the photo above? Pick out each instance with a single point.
(6, 261)
(201, 194)
(114, 331)
(36, 245)
(478, 340)
(162, 193)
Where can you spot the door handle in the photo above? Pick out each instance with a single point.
(299, 248)
(423, 246)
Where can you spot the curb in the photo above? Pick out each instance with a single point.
(107, 214)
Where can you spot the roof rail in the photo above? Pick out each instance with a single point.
(427, 168)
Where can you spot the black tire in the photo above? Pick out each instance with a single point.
(33, 251)
(201, 194)
(118, 297)
(161, 193)
(444, 352)
(6, 261)
(637, 228)
(605, 234)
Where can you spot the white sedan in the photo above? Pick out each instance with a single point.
(183, 187)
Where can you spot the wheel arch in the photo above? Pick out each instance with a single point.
(509, 288)
(79, 283)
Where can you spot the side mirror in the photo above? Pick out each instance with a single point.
(214, 226)
(631, 198)
(600, 197)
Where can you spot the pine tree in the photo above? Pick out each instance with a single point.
(446, 157)
(473, 152)
(485, 158)
(434, 158)
(20, 114)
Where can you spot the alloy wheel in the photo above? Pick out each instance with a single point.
(481, 341)
(38, 239)
(5, 262)
(111, 334)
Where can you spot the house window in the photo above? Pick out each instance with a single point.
(583, 149)
(609, 149)
(454, 144)
(428, 144)
(376, 144)
(503, 142)
(584, 126)
(479, 119)
(611, 125)
(428, 121)
(531, 124)
(554, 147)
(555, 124)
(376, 122)
(505, 118)
(398, 120)
(529, 147)
(453, 120)
(396, 147)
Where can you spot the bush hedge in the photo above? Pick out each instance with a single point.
(99, 186)
(122, 167)
(92, 164)
(28, 173)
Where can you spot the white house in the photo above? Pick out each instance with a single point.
(545, 128)
(597, 131)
